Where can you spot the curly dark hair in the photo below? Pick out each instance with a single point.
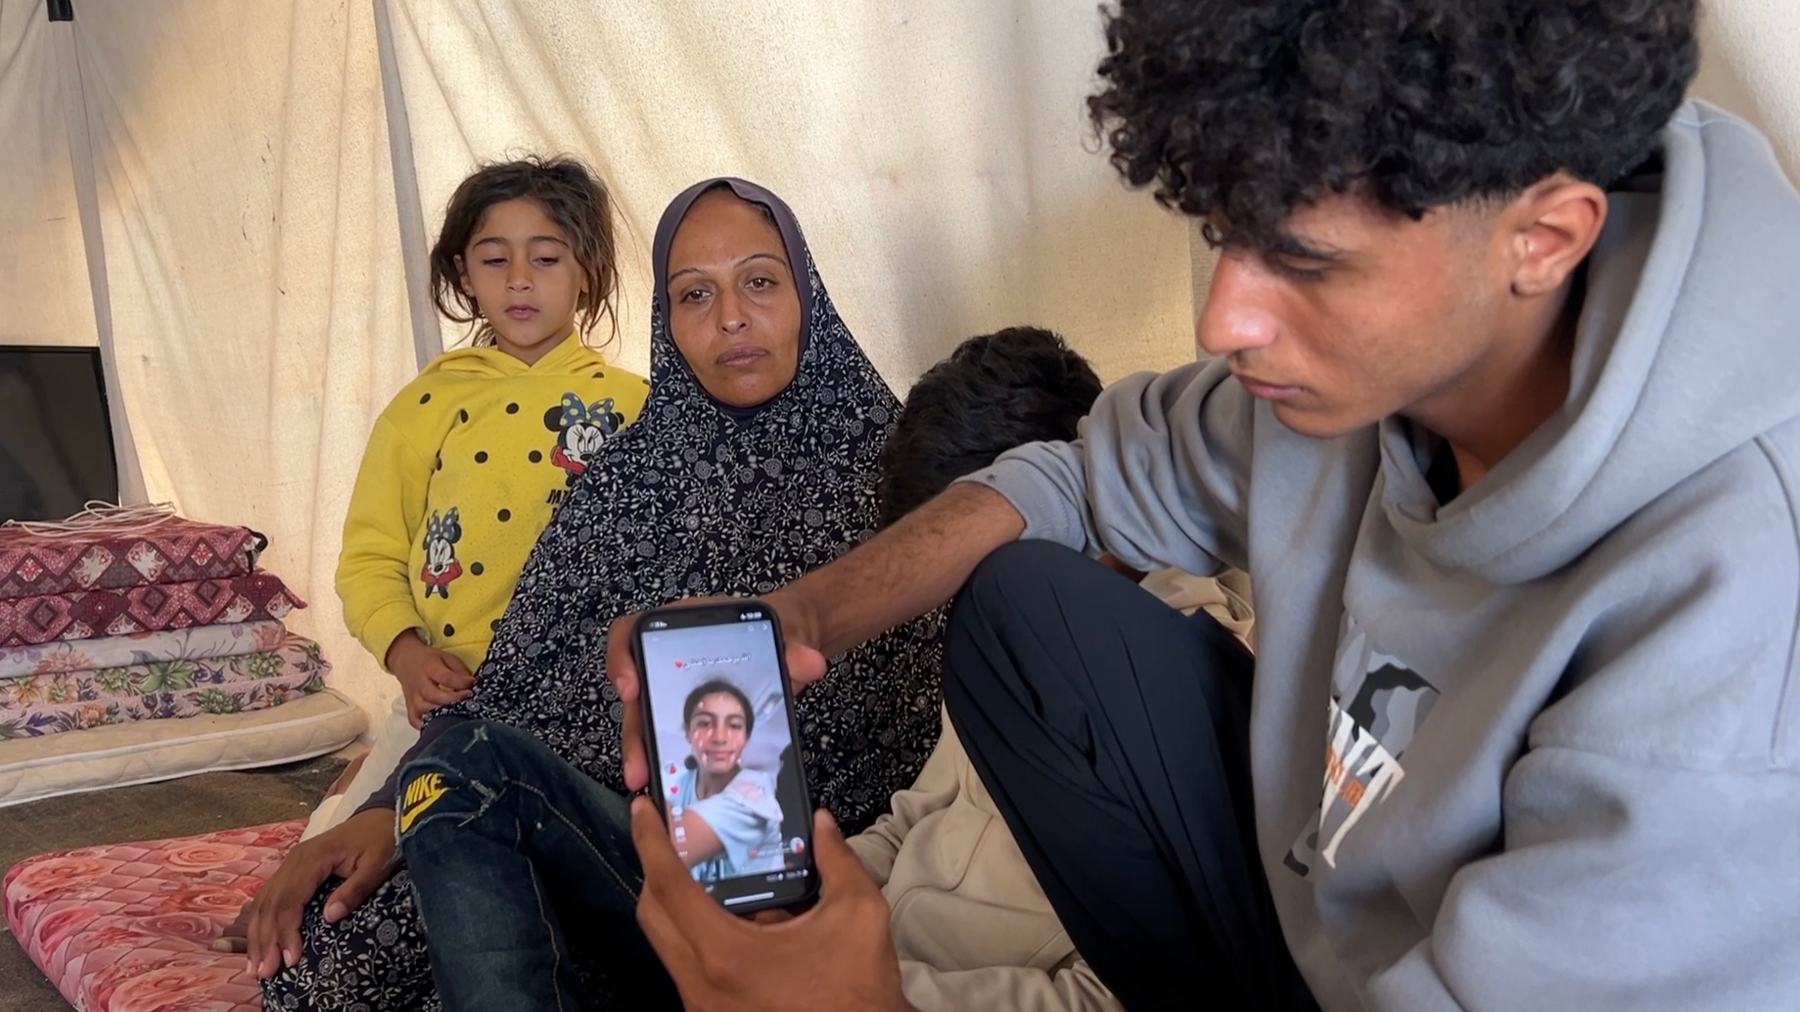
(1248, 109)
(571, 195)
(997, 391)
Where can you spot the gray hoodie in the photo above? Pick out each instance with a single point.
(1537, 749)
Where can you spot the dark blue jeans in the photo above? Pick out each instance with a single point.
(525, 876)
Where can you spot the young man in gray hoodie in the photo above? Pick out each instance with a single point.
(1502, 414)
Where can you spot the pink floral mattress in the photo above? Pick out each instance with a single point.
(42, 704)
(127, 927)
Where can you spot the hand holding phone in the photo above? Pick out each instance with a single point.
(838, 956)
(805, 666)
(719, 735)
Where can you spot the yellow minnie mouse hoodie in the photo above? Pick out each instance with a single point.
(463, 471)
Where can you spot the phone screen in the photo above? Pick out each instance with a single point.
(723, 742)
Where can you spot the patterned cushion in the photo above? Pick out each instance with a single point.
(86, 614)
(167, 550)
(126, 927)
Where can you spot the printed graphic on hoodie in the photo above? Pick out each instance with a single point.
(581, 429)
(441, 568)
(1377, 705)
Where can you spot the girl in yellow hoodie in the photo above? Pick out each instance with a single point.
(468, 464)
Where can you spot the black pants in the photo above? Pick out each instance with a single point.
(1113, 733)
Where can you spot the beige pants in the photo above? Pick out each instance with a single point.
(392, 739)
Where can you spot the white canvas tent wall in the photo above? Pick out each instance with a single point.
(232, 198)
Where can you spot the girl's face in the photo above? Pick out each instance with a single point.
(734, 310)
(717, 733)
(524, 278)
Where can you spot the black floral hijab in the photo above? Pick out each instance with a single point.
(697, 499)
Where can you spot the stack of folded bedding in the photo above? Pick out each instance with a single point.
(123, 615)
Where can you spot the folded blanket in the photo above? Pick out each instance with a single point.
(88, 614)
(129, 550)
(191, 643)
(74, 700)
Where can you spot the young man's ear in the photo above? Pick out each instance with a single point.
(1553, 226)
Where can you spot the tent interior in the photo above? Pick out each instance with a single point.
(233, 200)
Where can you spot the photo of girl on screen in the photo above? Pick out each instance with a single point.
(724, 817)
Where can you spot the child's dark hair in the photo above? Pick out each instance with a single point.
(995, 392)
(570, 194)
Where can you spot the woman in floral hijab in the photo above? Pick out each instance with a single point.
(736, 479)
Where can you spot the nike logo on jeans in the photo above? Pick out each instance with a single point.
(421, 794)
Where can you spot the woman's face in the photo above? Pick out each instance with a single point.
(717, 733)
(734, 308)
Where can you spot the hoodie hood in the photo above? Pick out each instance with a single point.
(490, 362)
(1685, 350)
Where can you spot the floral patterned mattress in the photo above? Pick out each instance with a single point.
(128, 927)
(192, 643)
(56, 701)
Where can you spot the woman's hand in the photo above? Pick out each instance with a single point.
(360, 850)
(429, 677)
(805, 666)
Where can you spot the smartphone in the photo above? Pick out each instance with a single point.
(725, 752)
